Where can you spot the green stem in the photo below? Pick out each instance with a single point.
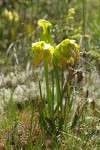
(53, 92)
(62, 83)
(41, 111)
(49, 99)
(57, 84)
(68, 97)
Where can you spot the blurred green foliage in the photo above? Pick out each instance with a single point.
(75, 19)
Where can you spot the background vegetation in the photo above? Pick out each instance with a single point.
(74, 19)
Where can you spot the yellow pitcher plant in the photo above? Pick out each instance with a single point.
(52, 115)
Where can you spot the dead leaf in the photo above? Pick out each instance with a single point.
(79, 76)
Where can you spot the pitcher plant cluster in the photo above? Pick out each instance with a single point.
(53, 113)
